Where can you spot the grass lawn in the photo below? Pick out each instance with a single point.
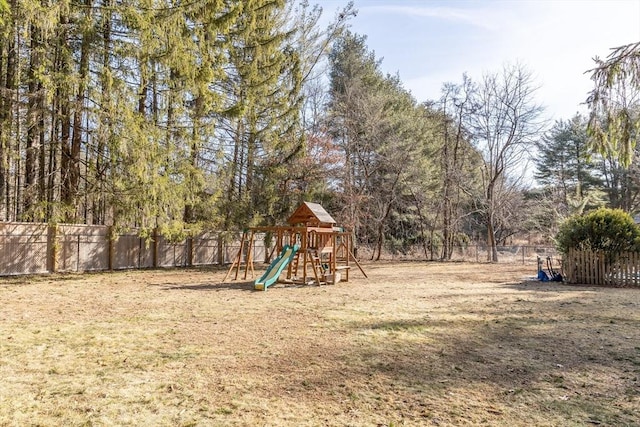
(416, 344)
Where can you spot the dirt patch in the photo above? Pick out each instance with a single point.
(416, 344)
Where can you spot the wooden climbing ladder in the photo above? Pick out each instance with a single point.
(316, 264)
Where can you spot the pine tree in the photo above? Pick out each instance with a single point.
(386, 142)
(564, 164)
(614, 119)
(263, 124)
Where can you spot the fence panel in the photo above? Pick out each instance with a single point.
(24, 248)
(205, 249)
(83, 247)
(259, 249)
(171, 254)
(132, 251)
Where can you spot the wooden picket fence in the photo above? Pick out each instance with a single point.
(600, 268)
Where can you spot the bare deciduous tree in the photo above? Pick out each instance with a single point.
(456, 158)
(504, 120)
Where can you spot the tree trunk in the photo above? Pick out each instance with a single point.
(492, 249)
(78, 116)
(6, 113)
(33, 121)
(101, 164)
(421, 222)
(189, 208)
(68, 194)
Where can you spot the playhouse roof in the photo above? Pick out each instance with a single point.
(311, 214)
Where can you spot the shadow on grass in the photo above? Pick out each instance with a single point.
(217, 287)
(584, 366)
(566, 356)
(230, 285)
(536, 285)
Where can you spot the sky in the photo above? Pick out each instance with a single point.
(428, 42)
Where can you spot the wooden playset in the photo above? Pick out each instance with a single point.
(311, 247)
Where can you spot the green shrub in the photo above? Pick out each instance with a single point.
(609, 230)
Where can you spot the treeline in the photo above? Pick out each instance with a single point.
(220, 114)
(152, 113)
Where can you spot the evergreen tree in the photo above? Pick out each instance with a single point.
(620, 184)
(614, 120)
(353, 74)
(385, 142)
(263, 124)
(564, 164)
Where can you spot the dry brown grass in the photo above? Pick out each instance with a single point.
(417, 344)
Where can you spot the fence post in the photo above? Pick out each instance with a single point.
(155, 248)
(78, 253)
(189, 251)
(111, 246)
(52, 248)
(220, 249)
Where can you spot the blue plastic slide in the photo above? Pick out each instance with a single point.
(273, 272)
